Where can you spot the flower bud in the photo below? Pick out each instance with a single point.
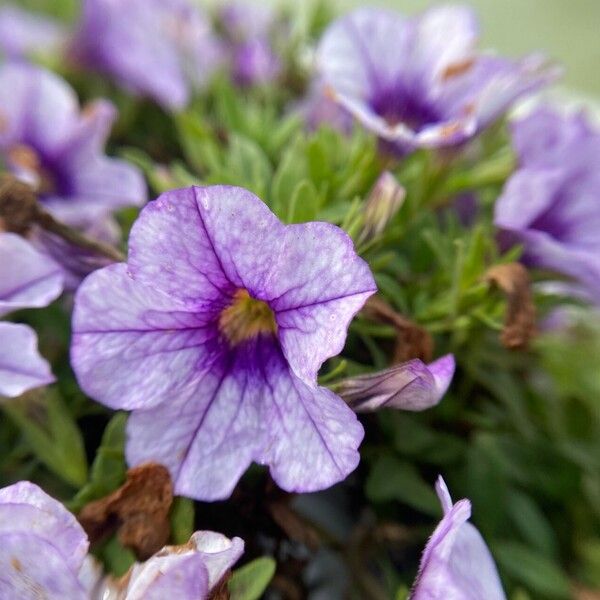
(383, 203)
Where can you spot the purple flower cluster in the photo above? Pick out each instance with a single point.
(43, 554)
(551, 203)
(415, 86)
(213, 333)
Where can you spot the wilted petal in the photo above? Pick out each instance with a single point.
(218, 552)
(410, 386)
(456, 563)
(28, 279)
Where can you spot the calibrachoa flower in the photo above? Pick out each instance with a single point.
(420, 81)
(412, 385)
(213, 333)
(43, 554)
(456, 563)
(47, 141)
(156, 48)
(23, 33)
(248, 29)
(28, 279)
(551, 203)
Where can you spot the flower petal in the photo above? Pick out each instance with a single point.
(27, 509)
(219, 553)
(21, 366)
(32, 567)
(28, 279)
(253, 408)
(134, 346)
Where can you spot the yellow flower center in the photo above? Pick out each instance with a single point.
(246, 318)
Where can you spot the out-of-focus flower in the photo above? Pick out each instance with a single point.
(42, 546)
(213, 333)
(161, 49)
(319, 108)
(420, 81)
(28, 279)
(382, 204)
(43, 554)
(550, 205)
(49, 143)
(412, 385)
(249, 28)
(456, 563)
(23, 33)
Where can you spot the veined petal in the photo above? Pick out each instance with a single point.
(21, 366)
(134, 346)
(253, 409)
(28, 279)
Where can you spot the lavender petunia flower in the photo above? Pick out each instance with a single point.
(420, 81)
(28, 279)
(43, 554)
(550, 204)
(412, 385)
(156, 48)
(456, 563)
(23, 33)
(213, 333)
(248, 28)
(42, 546)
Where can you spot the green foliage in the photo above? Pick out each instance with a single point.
(182, 520)
(250, 581)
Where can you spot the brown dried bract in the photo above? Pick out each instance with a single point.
(412, 342)
(19, 208)
(221, 590)
(519, 324)
(138, 511)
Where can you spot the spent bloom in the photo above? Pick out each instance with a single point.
(161, 49)
(412, 386)
(43, 554)
(456, 563)
(213, 333)
(49, 143)
(249, 28)
(23, 33)
(420, 81)
(28, 279)
(551, 204)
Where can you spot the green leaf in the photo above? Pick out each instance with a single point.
(393, 479)
(533, 570)
(291, 170)
(116, 558)
(109, 468)
(53, 436)
(304, 203)
(182, 520)
(250, 581)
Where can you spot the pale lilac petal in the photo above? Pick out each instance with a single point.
(21, 366)
(27, 509)
(412, 386)
(219, 553)
(32, 567)
(23, 33)
(253, 409)
(28, 279)
(134, 346)
(170, 576)
(456, 563)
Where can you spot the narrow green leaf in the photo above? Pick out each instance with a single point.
(250, 581)
(182, 520)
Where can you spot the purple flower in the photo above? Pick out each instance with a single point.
(213, 333)
(43, 553)
(550, 204)
(28, 279)
(23, 33)
(319, 108)
(248, 28)
(420, 81)
(456, 563)
(412, 385)
(42, 546)
(156, 48)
